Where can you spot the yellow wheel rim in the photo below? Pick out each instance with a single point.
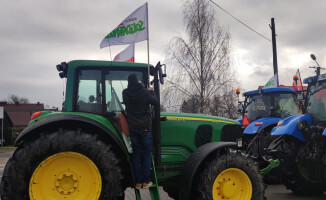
(66, 175)
(232, 184)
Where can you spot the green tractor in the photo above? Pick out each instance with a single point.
(84, 153)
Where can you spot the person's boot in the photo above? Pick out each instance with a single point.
(147, 185)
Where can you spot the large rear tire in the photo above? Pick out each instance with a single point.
(66, 164)
(231, 175)
(294, 181)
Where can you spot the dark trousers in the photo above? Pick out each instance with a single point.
(142, 144)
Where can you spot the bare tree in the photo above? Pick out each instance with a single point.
(190, 105)
(200, 61)
(13, 98)
(225, 105)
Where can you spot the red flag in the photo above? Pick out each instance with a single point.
(299, 82)
(127, 55)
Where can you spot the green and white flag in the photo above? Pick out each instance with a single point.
(272, 82)
(131, 30)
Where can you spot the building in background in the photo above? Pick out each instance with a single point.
(17, 117)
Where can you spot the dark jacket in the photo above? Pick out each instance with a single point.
(137, 99)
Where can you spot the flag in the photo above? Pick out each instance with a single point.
(272, 82)
(299, 82)
(131, 30)
(127, 55)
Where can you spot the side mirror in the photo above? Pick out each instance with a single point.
(240, 107)
(161, 75)
(160, 72)
(313, 56)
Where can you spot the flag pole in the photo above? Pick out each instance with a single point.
(148, 61)
(148, 73)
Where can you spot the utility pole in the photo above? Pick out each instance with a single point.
(274, 50)
(2, 119)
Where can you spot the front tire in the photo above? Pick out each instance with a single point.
(231, 175)
(63, 164)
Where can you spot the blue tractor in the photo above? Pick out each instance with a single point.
(262, 110)
(301, 141)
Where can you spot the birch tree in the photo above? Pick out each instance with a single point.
(199, 62)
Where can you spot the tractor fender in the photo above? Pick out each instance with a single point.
(290, 127)
(253, 128)
(66, 121)
(193, 163)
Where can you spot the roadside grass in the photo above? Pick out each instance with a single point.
(8, 147)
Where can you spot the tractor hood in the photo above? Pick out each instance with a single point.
(259, 124)
(288, 126)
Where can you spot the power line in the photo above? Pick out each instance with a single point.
(239, 20)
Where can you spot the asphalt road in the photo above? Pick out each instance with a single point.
(273, 192)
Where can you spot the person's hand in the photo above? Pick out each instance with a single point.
(142, 84)
(150, 89)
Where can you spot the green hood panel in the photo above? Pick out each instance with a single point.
(197, 117)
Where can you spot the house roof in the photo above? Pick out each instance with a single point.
(20, 114)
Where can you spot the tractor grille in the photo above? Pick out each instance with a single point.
(230, 133)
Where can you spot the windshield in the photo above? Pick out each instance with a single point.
(271, 105)
(100, 91)
(317, 101)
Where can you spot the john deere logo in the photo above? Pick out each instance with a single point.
(123, 30)
(270, 83)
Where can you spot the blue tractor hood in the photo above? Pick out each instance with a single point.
(253, 129)
(290, 127)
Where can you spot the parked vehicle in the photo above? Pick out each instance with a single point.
(83, 152)
(301, 143)
(262, 109)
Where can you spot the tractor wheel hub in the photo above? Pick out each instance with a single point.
(66, 183)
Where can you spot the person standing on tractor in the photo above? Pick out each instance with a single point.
(137, 100)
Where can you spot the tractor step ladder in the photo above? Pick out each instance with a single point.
(153, 190)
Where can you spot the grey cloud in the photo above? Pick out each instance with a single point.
(36, 35)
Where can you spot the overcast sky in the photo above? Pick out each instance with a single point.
(36, 35)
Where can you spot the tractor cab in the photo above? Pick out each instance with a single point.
(316, 98)
(268, 103)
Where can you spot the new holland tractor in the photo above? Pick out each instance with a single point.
(301, 142)
(84, 152)
(262, 109)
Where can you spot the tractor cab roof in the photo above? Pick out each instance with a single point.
(65, 68)
(270, 90)
(321, 77)
(101, 63)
